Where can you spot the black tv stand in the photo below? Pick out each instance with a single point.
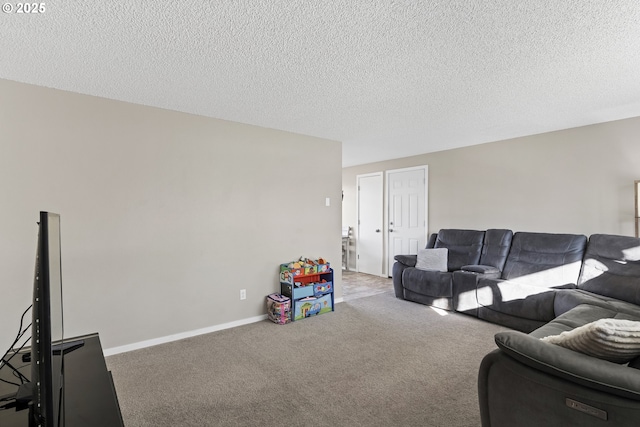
(67, 347)
(57, 349)
(89, 394)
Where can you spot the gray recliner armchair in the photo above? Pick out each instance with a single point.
(435, 288)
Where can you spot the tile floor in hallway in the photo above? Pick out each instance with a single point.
(358, 285)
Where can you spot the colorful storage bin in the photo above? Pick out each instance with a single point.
(312, 306)
(279, 308)
(287, 275)
(322, 288)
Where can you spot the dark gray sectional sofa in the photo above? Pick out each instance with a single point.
(539, 285)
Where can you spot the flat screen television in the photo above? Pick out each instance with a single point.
(47, 370)
(43, 394)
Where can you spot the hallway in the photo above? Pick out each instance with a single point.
(358, 285)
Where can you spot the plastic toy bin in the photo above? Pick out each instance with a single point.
(279, 308)
(312, 306)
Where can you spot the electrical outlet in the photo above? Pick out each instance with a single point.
(243, 294)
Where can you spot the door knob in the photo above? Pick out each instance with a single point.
(390, 231)
(377, 230)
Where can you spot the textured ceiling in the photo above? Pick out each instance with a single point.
(387, 78)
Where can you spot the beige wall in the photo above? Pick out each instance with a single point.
(571, 181)
(165, 216)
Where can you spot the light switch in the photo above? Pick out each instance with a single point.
(327, 201)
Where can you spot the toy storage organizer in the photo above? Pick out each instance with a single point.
(310, 294)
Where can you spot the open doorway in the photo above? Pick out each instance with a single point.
(359, 285)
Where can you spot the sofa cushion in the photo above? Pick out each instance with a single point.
(624, 308)
(612, 267)
(578, 316)
(516, 299)
(495, 248)
(615, 340)
(545, 259)
(464, 246)
(432, 259)
(566, 300)
(432, 283)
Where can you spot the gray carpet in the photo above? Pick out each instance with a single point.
(375, 361)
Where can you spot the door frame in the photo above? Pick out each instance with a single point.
(387, 207)
(357, 248)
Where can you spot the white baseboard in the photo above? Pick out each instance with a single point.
(188, 334)
(182, 335)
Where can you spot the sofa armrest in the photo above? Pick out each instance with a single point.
(488, 271)
(408, 260)
(570, 365)
(396, 275)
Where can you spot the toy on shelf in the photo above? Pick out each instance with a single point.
(289, 272)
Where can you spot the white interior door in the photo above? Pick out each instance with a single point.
(369, 242)
(407, 212)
